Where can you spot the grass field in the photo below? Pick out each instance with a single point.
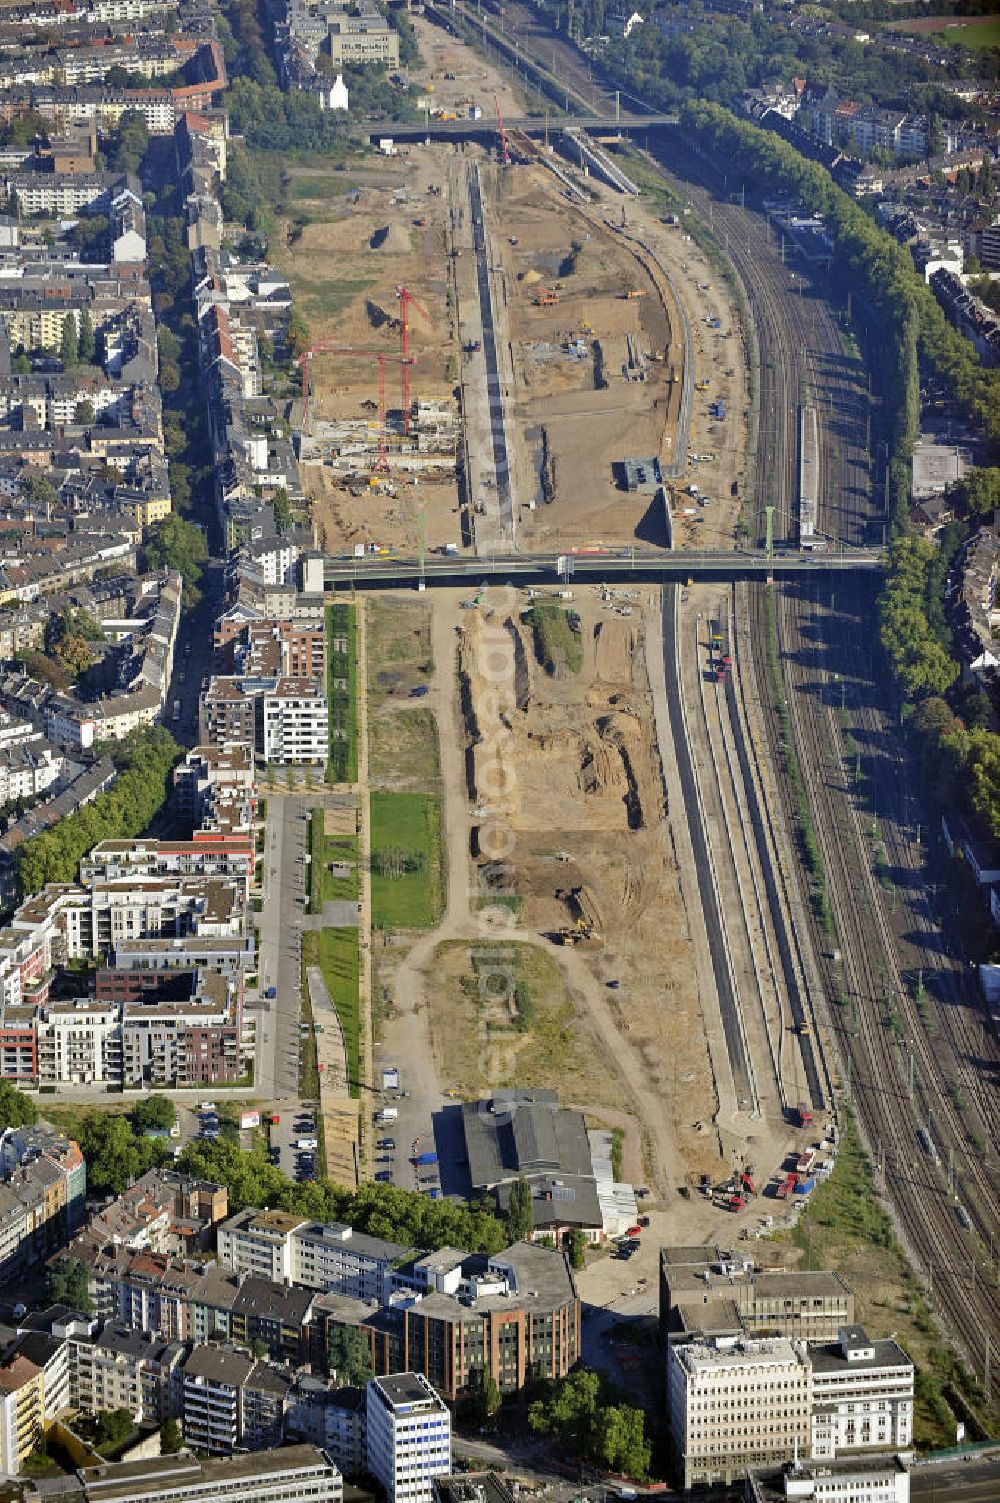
(504, 1006)
(326, 297)
(408, 824)
(335, 951)
(845, 1228)
(558, 647)
(404, 750)
(342, 692)
(324, 886)
(399, 648)
(319, 189)
(403, 745)
(981, 36)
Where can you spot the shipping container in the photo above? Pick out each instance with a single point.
(805, 1186)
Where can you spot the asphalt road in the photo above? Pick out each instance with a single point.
(957, 1482)
(611, 565)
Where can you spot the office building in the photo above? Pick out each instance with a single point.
(734, 1405)
(706, 1291)
(862, 1395)
(409, 1436)
(294, 1474)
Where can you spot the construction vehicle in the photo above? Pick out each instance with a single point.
(748, 1184)
(546, 298)
(804, 1114)
(701, 386)
(504, 148)
(633, 293)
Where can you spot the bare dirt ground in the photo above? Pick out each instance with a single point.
(455, 77)
(577, 413)
(593, 859)
(385, 230)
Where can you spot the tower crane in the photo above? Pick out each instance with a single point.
(406, 359)
(381, 464)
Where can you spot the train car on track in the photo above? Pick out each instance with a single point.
(927, 1144)
(809, 479)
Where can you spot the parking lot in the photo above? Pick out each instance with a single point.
(293, 1143)
(405, 1135)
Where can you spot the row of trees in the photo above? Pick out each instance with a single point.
(380, 1210)
(178, 544)
(909, 327)
(921, 664)
(690, 58)
(145, 759)
(907, 318)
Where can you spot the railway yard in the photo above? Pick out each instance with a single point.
(748, 967)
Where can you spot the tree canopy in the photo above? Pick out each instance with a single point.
(16, 1108)
(177, 544)
(127, 808)
(153, 1114)
(380, 1210)
(580, 1412)
(69, 1284)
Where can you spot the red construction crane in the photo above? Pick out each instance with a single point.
(504, 150)
(382, 462)
(405, 299)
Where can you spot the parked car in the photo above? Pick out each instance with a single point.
(386, 1143)
(384, 1177)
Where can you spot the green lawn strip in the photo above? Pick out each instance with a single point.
(342, 692)
(336, 953)
(327, 297)
(407, 860)
(321, 187)
(325, 851)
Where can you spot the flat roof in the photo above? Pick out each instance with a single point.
(408, 1388)
(829, 1357)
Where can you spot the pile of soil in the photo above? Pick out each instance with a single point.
(394, 238)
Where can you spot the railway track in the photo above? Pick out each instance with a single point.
(873, 997)
(724, 809)
(803, 358)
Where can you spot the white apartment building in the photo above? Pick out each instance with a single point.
(862, 1395)
(80, 1043)
(736, 1404)
(259, 1243)
(409, 1436)
(295, 722)
(331, 1257)
(334, 1257)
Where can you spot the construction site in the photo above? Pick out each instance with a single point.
(506, 330)
(521, 351)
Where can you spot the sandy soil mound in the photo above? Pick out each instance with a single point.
(615, 644)
(394, 238)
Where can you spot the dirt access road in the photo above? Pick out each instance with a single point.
(641, 1040)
